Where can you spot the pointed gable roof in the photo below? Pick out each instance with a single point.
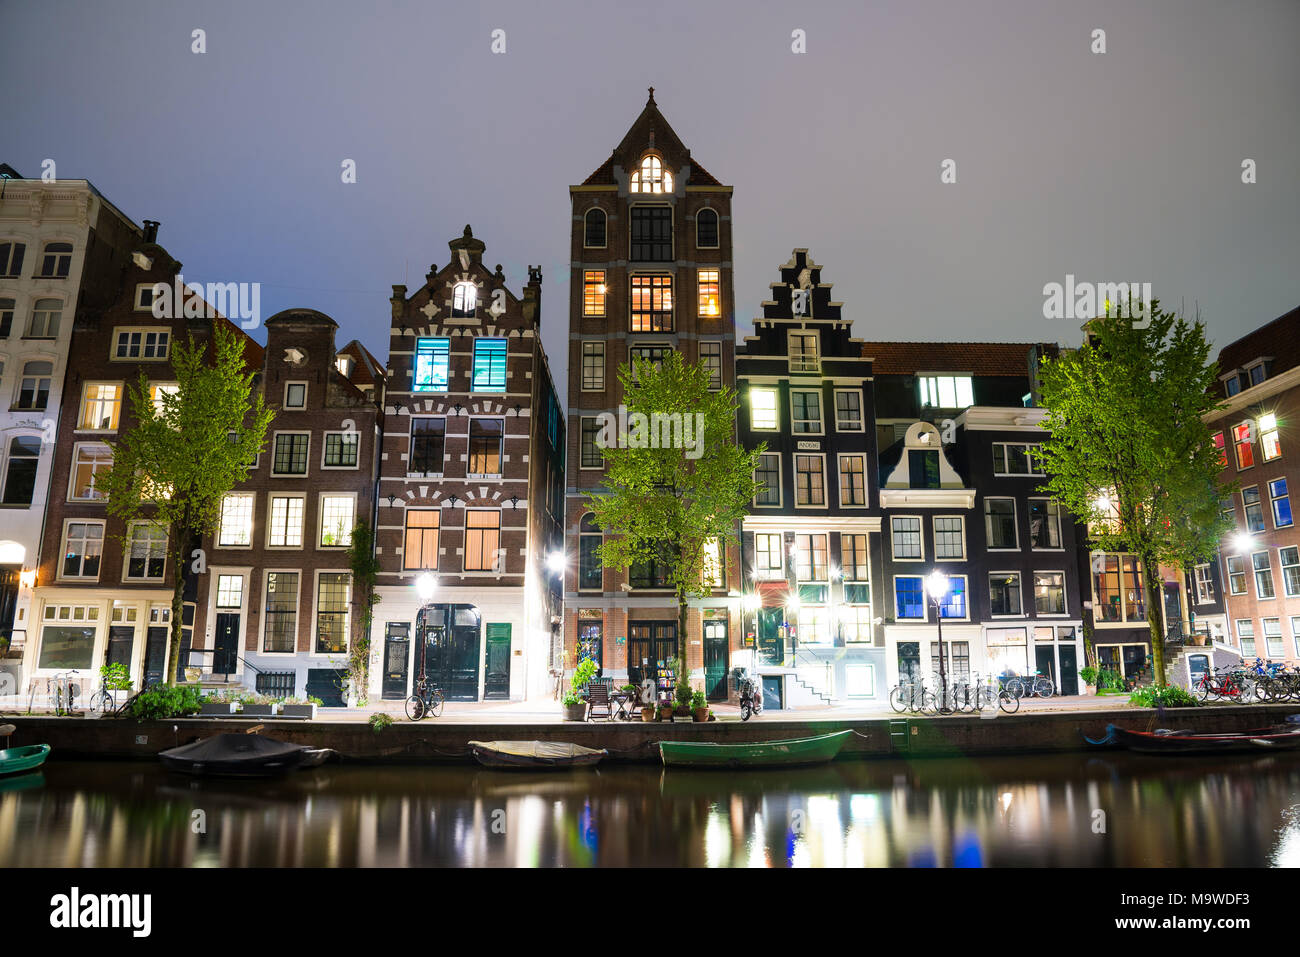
(650, 131)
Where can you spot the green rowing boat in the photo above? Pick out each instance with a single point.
(758, 754)
(29, 758)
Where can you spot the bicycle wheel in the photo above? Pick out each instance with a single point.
(1015, 687)
(101, 703)
(415, 707)
(745, 709)
(898, 699)
(1043, 688)
(434, 704)
(1008, 702)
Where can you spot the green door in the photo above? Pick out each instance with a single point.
(771, 648)
(715, 659)
(496, 670)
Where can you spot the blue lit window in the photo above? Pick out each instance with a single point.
(1281, 503)
(432, 360)
(489, 365)
(909, 597)
(954, 602)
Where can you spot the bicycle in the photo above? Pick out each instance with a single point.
(63, 693)
(995, 697)
(427, 700)
(910, 695)
(1224, 683)
(102, 702)
(751, 697)
(1036, 685)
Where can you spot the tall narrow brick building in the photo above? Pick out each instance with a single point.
(651, 274)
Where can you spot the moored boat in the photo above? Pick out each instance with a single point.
(535, 754)
(26, 758)
(234, 755)
(757, 754)
(315, 757)
(1164, 741)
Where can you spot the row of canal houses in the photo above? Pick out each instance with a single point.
(883, 461)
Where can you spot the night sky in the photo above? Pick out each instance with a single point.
(1122, 166)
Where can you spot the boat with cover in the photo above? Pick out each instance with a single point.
(535, 754)
(1165, 741)
(235, 755)
(758, 754)
(27, 758)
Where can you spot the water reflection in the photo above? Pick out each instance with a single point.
(1123, 810)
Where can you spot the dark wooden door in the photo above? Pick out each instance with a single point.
(496, 667)
(155, 655)
(1069, 681)
(121, 642)
(773, 693)
(225, 653)
(640, 665)
(909, 660)
(397, 657)
(771, 646)
(715, 659)
(327, 684)
(1045, 662)
(451, 641)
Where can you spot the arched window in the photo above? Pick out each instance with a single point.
(706, 229)
(57, 260)
(590, 571)
(595, 229)
(20, 469)
(464, 300)
(34, 385)
(652, 177)
(46, 315)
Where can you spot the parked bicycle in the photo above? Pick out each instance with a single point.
(751, 696)
(1233, 684)
(993, 695)
(103, 701)
(427, 700)
(1036, 685)
(910, 694)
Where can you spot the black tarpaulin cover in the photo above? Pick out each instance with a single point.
(226, 747)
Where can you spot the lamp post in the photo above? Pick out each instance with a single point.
(936, 584)
(425, 585)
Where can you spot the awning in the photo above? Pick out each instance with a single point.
(774, 594)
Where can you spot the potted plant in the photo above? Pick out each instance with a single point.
(665, 711)
(575, 706)
(299, 708)
(699, 707)
(1089, 676)
(258, 706)
(648, 712)
(219, 704)
(193, 674)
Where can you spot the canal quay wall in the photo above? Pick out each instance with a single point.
(429, 742)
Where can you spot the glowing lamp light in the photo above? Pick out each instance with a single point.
(27, 578)
(1267, 423)
(1102, 502)
(555, 562)
(425, 585)
(936, 583)
(792, 603)
(1243, 541)
(752, 602)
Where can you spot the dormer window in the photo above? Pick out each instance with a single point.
(344, 365)
(1231, 384)
(652, 177)
(464, 300)
(946, 392)
(1255, 373)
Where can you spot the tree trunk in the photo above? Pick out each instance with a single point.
(681, 637)
(1155, 602)
(180, 567)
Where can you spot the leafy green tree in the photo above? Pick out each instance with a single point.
(1130, 451)
(174, 465)
(365, 570)
(674, 502)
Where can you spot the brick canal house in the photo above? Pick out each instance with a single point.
(471, 489)
(62, 248)
(273, 609)
(811, 543)
(651, 274)
(957, 429)
(1260, 391)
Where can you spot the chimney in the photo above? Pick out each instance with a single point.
(151, 230)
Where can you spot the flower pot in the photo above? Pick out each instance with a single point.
(665, 714)
(258, 710)
(575, 712)
(303, 711)
(647, 714)
(192, 675)
(216, 709)
(700, 714)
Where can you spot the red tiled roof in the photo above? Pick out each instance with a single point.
(1279, 339)
(977, 358)
(366, 369)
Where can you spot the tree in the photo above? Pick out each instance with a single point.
(186, 450)
(1130, 452)
(677, 483)
(365, 570)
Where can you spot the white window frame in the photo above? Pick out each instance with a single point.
(925, 600)
(821, 413)
(275, 438)
(920, 533)
(320, 520)
(252, 518)
(285, 406)
(72, 472)
(1256, 572)
(1030, 457)
(271, 499)
(1245, 574)
(1205, 583)
(866, 482)
(1281, 561)
(712, 344)
(862, 415)
(780, 482)
(1060, 531)
(324, 449)
(126, 554)
(1065, 593)
(1241, 639)
(769, 574)
(81, 406)
(776, 409)
(63, 539)
(297, 612)
(1264, 634)
(1020, 587)
(934, 530)
(598, 349)
(145, 332)
(1015, 522)
(795, 461)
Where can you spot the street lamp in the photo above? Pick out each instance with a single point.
(555, 562)
(936, 584)
(424, 587)
(1243, 542)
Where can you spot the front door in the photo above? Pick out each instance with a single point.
(451, 639)
(1069, 683)
(155, 655)
(771, 647)
(1173, 606)
(496, 667)
(715, 659)
(121, 642)
(773, 693)
(1045, 662)
(225, 653)
(909, 660)
(397, 656)
(650, 646)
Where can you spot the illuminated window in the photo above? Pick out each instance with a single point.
(333, 598)
(946, 392)
(809, 481)
(1120, 594)
(1263, 568)
(421, 543)
(590, 570)
(486, 437)
(594, 229)
(432, 364)
(159, 391)
(954, 599)
(236, 529)
(1223, 452)
(1243, 443)
(1236, 575)
(230, 591)
(810, 558)
(713, 564)
(652, 304)
(710, 293)
(482, 538)
(489, 365)
(909, 597)
(100, 405)
(1049, 593)
(593, 293)
(337, 516)
(1254, 509)
(804, 354)
(1268, 441)
(651, 177)
(1281, 498)
(1272, 634)
(706, 229)
(768, 554)
(853, 558)
(285, 529)
(1205, 581)
(762, 408)
(146, 552)
(1246, 635)
(90, 460)
(464, 300)
(853, 484)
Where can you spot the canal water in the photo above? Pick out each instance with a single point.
(1119, 809)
